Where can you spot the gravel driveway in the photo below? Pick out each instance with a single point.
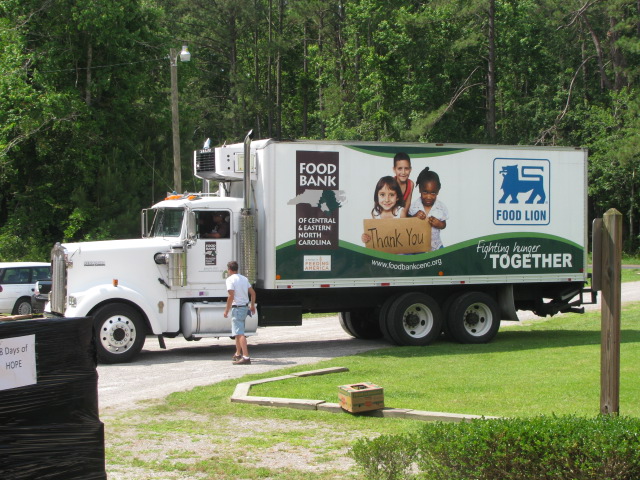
(155, 373)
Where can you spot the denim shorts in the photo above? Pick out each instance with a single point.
(238, 316)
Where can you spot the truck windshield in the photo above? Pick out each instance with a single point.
(167, 222)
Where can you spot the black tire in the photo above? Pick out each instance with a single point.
(446, 308)
(473, 318)
(342, 316)
(119, 331)
(22, 307)
(360, 324)
(414, 319)
(383, 314)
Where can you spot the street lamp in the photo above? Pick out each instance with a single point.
(185, 56)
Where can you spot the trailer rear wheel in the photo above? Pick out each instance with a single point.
(473, 318)
(120, 333)
(446, 308)
(414, 319)
(360, 324)
(383, 322)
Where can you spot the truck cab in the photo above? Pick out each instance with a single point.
(170, 282)
(191, 221)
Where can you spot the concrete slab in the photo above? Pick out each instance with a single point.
(241, 390)
(241, 395)
(272, 379)
(321, 371)
(330, 407)
(299, 404)
(425, 416)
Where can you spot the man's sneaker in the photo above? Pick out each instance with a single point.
(243, 361)
(235, 358)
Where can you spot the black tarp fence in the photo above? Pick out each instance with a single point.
(49, 420)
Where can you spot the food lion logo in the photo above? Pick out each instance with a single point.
(521, 191)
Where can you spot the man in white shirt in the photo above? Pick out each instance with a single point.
(241, 300)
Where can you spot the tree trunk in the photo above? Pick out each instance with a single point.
(233, 70)
(605, 84)
(281, 6)
(305, 87)
(617, 58)
(632, 235)
(256, 72)
(320, 73)
(491, 75)
(269, 72)
(87, 91)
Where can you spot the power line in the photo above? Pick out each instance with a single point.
(105, 66)
(17, 70)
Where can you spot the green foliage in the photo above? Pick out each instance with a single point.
(615, 160)
(388, 457)
(79, 114)
(85, 131)
(567, 447)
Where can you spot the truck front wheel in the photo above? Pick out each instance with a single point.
(120, 333)
(473, 318)
(414, 319)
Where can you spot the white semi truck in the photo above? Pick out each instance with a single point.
(298, 211)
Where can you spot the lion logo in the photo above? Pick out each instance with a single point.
(513, 185)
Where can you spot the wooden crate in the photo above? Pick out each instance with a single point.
(361, 397)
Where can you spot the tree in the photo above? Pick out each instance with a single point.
(73, 155)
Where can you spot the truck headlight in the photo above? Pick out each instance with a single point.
(71, 301)
(161, 258)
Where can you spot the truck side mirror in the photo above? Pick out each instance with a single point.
(191, 226)
(144, 223)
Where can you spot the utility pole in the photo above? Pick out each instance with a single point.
(185, 56)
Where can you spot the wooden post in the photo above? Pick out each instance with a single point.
(610, 324)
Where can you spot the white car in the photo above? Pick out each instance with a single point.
(17, 285)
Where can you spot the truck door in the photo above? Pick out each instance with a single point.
(208, 256)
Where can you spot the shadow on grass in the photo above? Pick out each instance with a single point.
(507, 341)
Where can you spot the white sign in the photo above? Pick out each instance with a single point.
(521, 191)
(18, 362)
(317, 263)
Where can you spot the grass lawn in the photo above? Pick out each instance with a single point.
(547, 366)
(630, 274)
(629, 259)
(544, 367)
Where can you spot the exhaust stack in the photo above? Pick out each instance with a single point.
(248, 241)
(58, 294)
(247, 170)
